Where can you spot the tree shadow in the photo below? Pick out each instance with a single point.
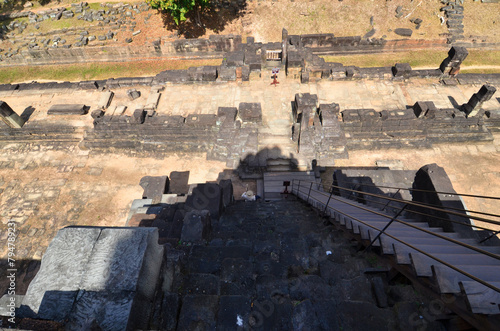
(214, 18)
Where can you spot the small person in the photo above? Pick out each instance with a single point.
(249, 196)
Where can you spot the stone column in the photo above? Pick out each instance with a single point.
(456, 55)
(10, 117)
(475, 103)
(284, 45)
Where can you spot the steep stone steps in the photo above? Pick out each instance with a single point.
(446, 279)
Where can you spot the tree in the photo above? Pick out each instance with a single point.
(179, 8)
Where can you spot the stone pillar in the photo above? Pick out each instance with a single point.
(284, 45)
(475, 103)
(10, 117)
(456, 55)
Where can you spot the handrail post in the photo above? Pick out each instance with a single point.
(385, 227)
(388, 202)
(490, 236)
(309, 194)
(326, 206)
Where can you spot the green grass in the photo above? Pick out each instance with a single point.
(424, 58)
(77, 72)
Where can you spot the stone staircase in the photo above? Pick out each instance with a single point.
(268, 266)
(406, 244)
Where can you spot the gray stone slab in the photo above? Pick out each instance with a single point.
(179, 182)
(153, 99)
(105, 99)
(67, 109)
(196, 226)
(109, 310)
(154, 187)
(250, 112)
(61, 272)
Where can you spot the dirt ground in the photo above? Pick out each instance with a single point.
(264, 19)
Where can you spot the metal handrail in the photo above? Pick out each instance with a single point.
(413, 247)
(495, 256)
(418, 204)
(433, 216)
(429, 204)
(428, 191)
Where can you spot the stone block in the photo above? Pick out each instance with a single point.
(401, 70)
(329, 114)
(201, 120)
(228, 112)
(10, 117)
(196, 226)
(304, 77)
(67, 109)
(458, 53)
(403, 32)
(253, 61)
(179, 182)
(250, 112)
(227, 192)
(226, 73)
(152, 101)
(60, 275)
(105, 99)
(420, 109)
(154, 187)
(209, 73)
(89, 85)
(234, 59)
(245, 73)
(174, 76)
(206, 197)
(486, 92)
(133, 94)
(98, 113)
(350, 115)
(139, 116)
(294, 59)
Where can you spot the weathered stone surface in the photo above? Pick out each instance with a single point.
(226, 73)
(61, 272)
(105, 99)
(403, 32)
(67, 109)
(250, 112)
(196, 226)
(98, 113)
(133, 94)
(10, 117)
(139, 116)
(179, 182)
(206, 197)
(401, 70)
(154, 187)
(228, 112)
(227, 191)
(201, 120)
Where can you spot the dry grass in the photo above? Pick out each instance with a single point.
(78, 72)
(482, 21)
(488, 60)
(346, 18)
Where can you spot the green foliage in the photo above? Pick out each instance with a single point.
(179, 8)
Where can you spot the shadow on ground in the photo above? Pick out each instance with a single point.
(212, 18)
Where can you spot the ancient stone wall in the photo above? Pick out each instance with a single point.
(214, 46)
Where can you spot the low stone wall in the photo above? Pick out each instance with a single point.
(213, 47)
